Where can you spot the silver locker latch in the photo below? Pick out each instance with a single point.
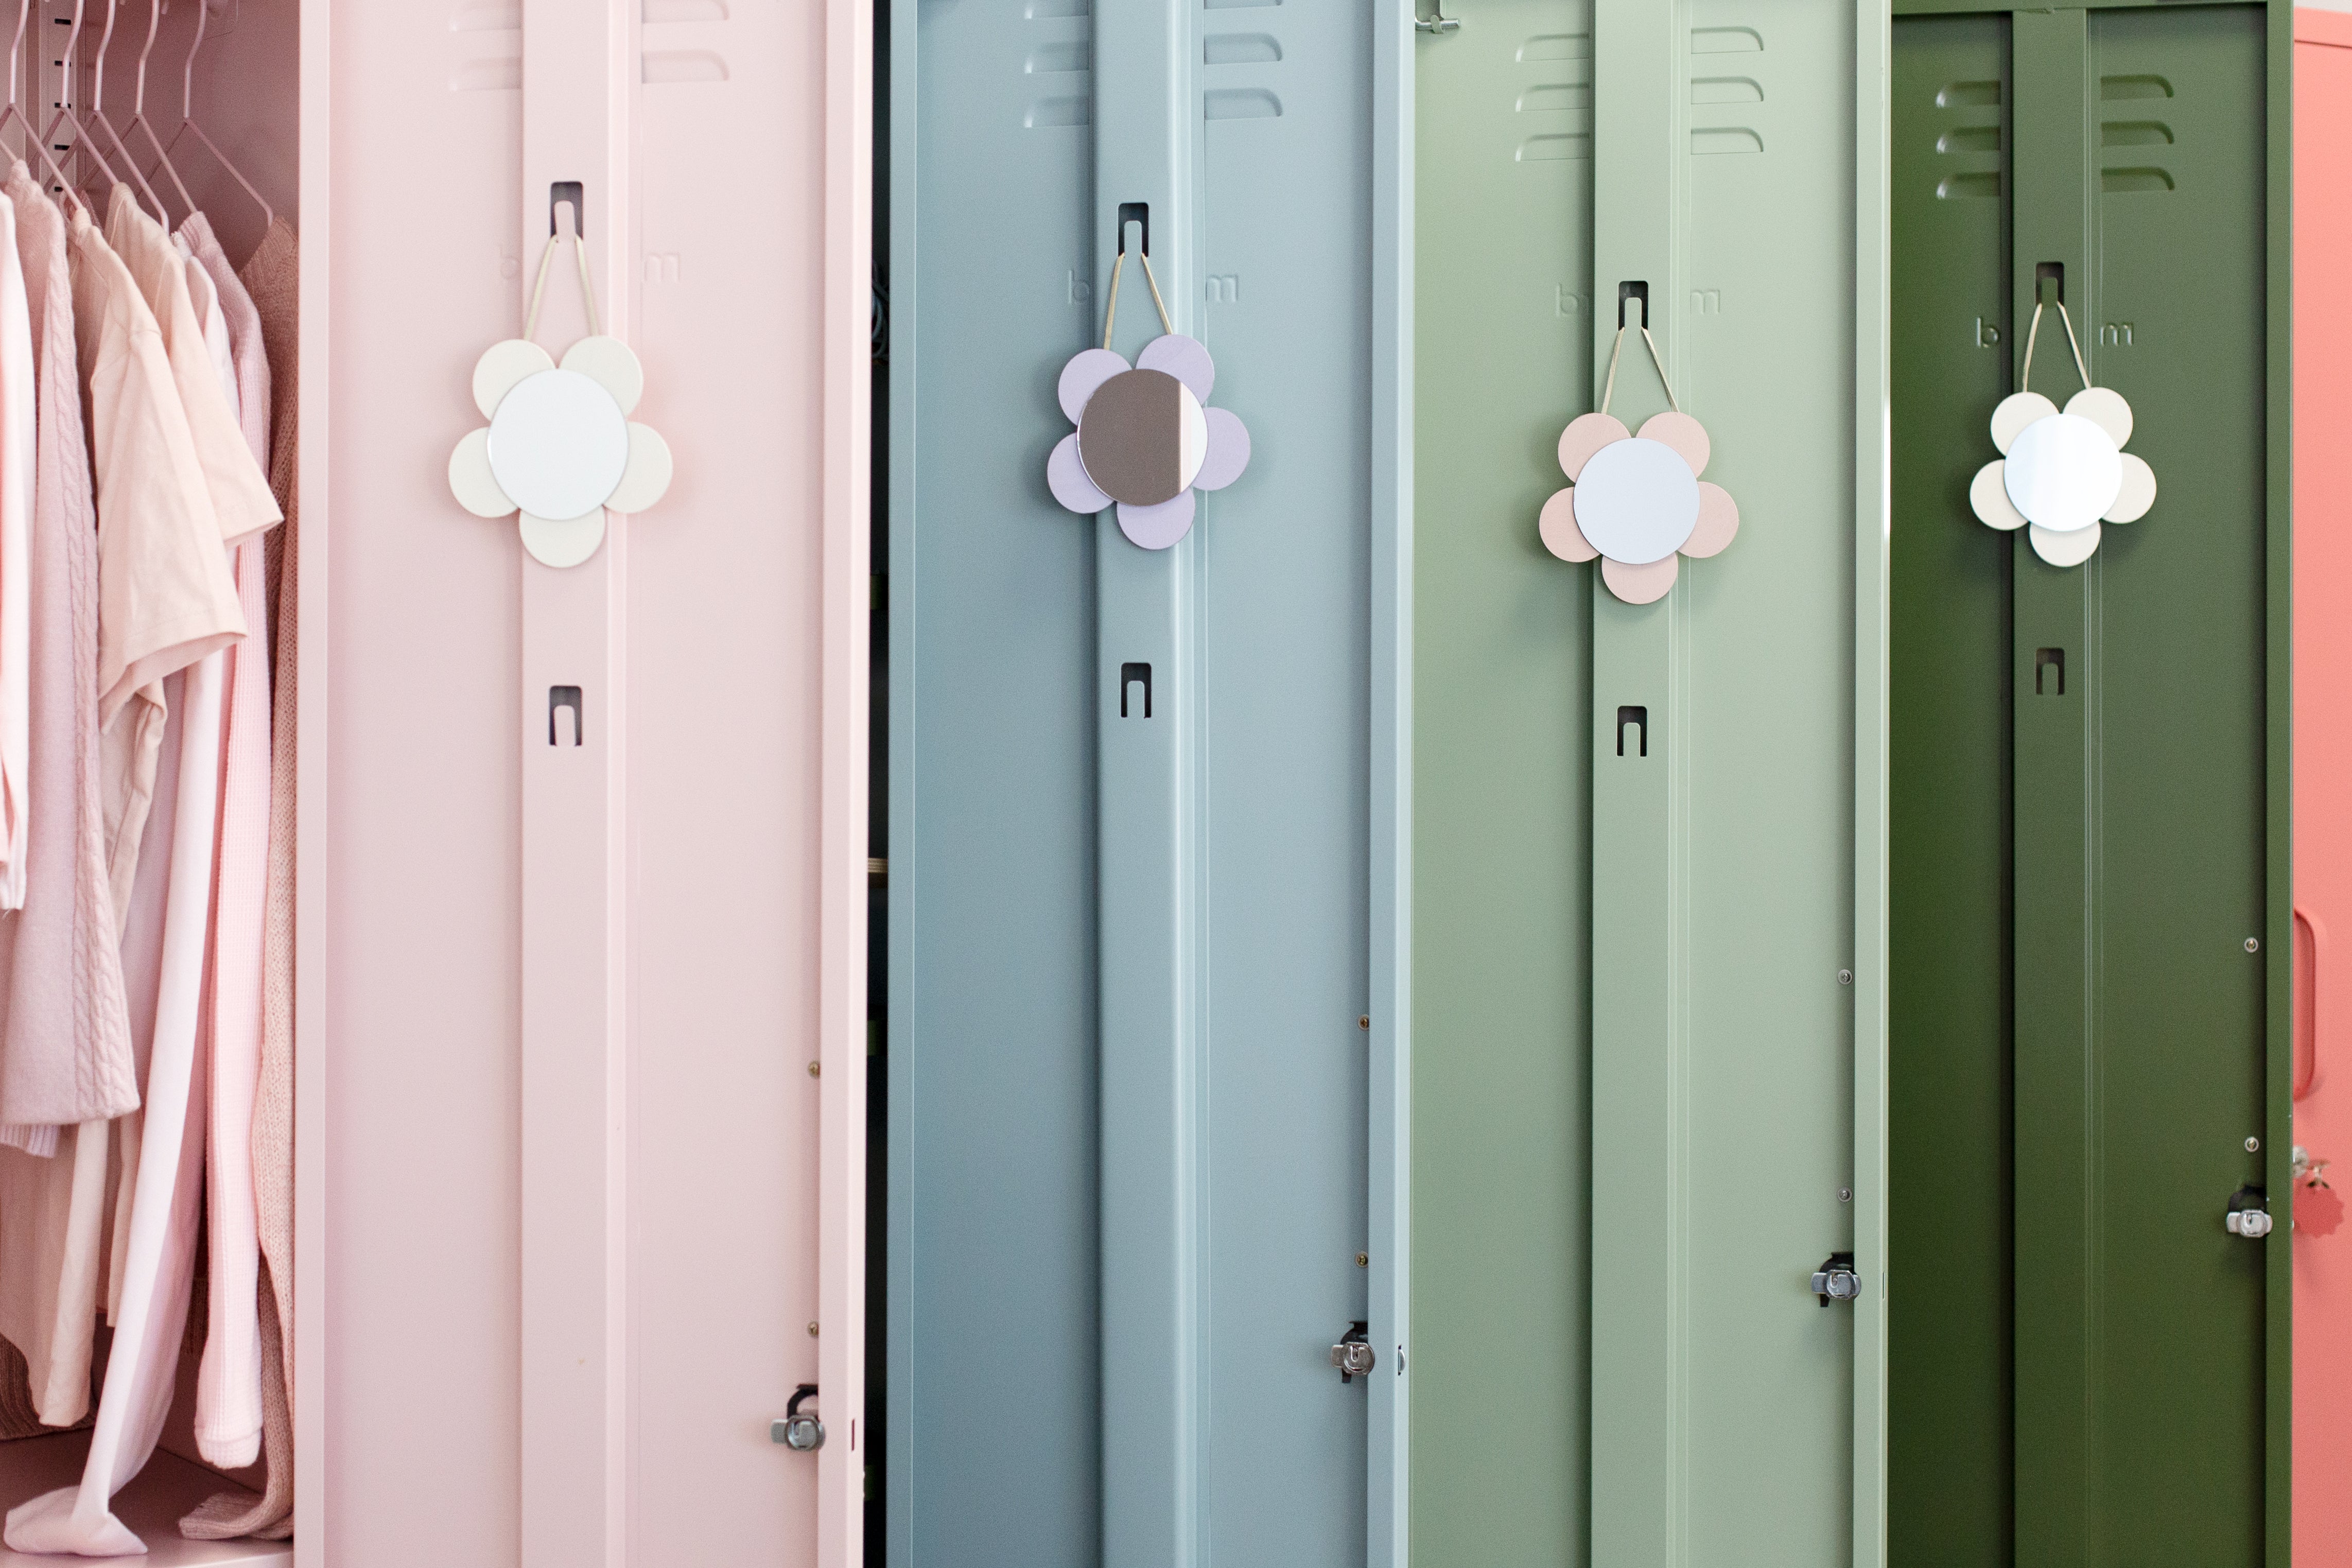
(1353, 1355)
(2247, 1217)
(798, 1429)
(1835, 1279)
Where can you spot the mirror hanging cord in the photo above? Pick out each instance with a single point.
(1609, 386)
(587, 289)
(1110, 308)
(2033, 330)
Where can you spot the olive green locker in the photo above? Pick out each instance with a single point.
(2089, 890)
(1647, 977)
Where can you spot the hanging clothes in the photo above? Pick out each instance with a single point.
(228, 1380)
(65, 1052)
(158, 1247)
(16, 399)
(166, 596)
(272, 275)
(61, 982)
(240, 491)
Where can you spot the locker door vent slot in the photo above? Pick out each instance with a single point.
(2053, 660)
(563, 191)
(561, 696)
(1637, 719)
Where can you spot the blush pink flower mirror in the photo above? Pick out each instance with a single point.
(1636, 500)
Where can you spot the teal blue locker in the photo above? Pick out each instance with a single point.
(1141, 1010)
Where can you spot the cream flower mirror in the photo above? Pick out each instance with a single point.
(2061, 475)
(560, 448)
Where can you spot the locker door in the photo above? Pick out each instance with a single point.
(2089, 912)
(2323, 783)
(1129, 1022)
(1647, 833)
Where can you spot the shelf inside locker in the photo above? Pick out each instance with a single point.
(152, 1505)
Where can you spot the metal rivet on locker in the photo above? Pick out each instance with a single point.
(1363, 1260)
(2253, 1145)
(1846, 977)
(2253, 945)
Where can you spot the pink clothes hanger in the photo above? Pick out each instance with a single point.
(66, 116)
(139, 108)
(98, 117)
(188, 123)
(33, 141)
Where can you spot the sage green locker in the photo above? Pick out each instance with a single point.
(1646, 1031)
(2089, 882)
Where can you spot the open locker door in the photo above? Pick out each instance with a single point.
(2323, 785)
(583, 1127)
(2090, 917)
(1648, 833)
(1137, 1025)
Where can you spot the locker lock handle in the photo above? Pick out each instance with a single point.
(1835, 1279)
(2248, 1215)
(798, 1429)
(1353, 1355)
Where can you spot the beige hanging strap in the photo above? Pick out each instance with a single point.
(587, 290)
(1110, 309)
(1609, 386)
(2033, 330)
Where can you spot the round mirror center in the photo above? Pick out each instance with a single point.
(558, 444)
(2063, 472)
(1142, 436)
(1636, 501)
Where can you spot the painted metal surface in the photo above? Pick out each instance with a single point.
(1133, 859)
(1650, 1324)
(2322, 781)
(2088, 919)
(584, 1053)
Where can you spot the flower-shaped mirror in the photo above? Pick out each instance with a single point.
(1146, 438)
(2061, 475)
(560, 448)
(1636, 500)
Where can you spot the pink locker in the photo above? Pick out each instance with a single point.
(581, 1044)
(2323, 783)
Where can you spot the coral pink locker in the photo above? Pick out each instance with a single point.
(584, 1057)
(2323, 780)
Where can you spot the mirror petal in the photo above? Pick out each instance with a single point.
(2069, 549)
(646, 478)
(1158, 527)
(2139, 491)
(1186, 359)
(500, 366)
(1718, 525)
(2014, 413)
(1683, 434)
(611, 365)
(1989, 498)
(1228, 450)
(1587, 433)
(2105, 407)
(1065, 475)
(1644, 584)
(566, 543)
(1088, 370)
(1556, 525)
(471, 481)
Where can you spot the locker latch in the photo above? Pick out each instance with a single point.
(2248, 1217)
(1835, 1279)
(798, 1429)
(1440, 23)
(1353, 1355)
